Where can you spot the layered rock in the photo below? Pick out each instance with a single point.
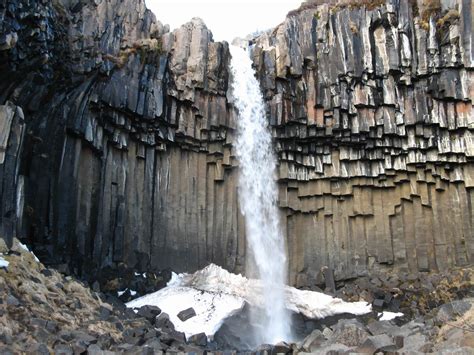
(116, 137)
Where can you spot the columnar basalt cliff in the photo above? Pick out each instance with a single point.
(116, 136)
(372, 115)
(123, 134)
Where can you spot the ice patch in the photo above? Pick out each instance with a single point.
(3, 263)
(215, 294)
(133, 293)
(120, 293)
(390, 315)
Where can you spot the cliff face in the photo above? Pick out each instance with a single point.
(116, 137)
(373, 124)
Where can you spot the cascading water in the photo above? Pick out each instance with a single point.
(258, 200)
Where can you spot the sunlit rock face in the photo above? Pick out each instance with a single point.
(373, 125)
(117, 139)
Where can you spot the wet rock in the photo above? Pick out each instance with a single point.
(186, 314)
(281, 348)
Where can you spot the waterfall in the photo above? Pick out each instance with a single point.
(258, 190)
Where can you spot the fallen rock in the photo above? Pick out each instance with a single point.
(149, 312)
(450, 311)
(378, 304)
(416, 342)
(186, 314)
(312, 341)
(198, 339)
(349, 332)
(163, 321)
(375, 343)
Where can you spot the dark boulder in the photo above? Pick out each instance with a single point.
(149, 312)
(198, 339)
(186, 314)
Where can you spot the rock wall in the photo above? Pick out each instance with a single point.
(371, 108)
(117, 137)
(127, 152)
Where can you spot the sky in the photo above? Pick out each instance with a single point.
(226, 19)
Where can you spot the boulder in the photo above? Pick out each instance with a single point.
(312, 341)
(184, 315)
(163, 321)
(376, 343)
(198, 339)
(349, 332)
(281, 348)
(450, 311)
(149, 312)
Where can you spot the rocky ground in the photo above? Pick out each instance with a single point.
(43, 311)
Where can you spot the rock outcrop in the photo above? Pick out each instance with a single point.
(116, 137)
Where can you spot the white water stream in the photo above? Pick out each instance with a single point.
(266, 253)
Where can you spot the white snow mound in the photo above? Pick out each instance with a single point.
(216, 294)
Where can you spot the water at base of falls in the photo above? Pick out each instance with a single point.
(266, 253)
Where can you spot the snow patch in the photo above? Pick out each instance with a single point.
(3, 263)
(389, 315)
(215, 294)
(23, 246)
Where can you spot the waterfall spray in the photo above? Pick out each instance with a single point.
(258, 199)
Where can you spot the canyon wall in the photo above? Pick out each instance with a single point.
(116, 137)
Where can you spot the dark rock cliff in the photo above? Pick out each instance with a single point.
(116, 136)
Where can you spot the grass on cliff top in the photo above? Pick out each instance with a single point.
(148, 50)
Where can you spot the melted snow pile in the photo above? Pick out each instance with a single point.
(215, 294)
